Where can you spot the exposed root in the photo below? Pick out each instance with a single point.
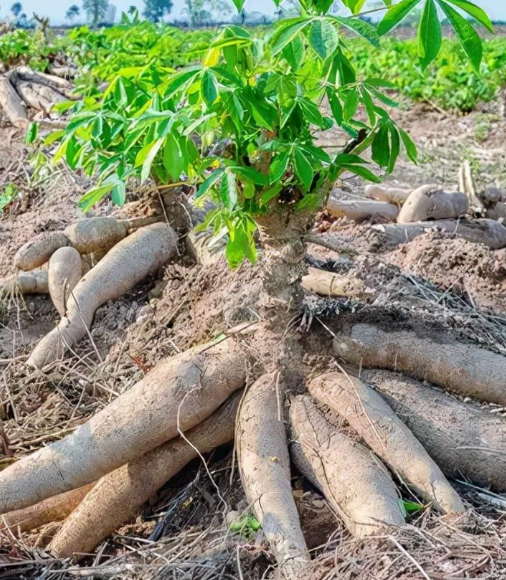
(361, 210)
(12, 104)
(117, 497)
(393, 195)
(358, 488)
(483, 231)
(178, 394)
(264, 465)
(466, 369)
(463, 438)
(376, 423)
(430, 202)
(330, 284)
(39, 249)
(96, 234)
(127, 264)
(53, 509)
(35, 282)
(65, 271)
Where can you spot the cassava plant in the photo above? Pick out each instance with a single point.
(241, 130)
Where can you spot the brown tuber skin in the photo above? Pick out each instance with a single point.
(65, 270)
(35, 282)
(429, 202)
(118, 496)
(463, 438)
(134, 258)
(39, 249)
(53, 509)
(330, 284)
(192, 386)
(264, 466)
(375, 422)
(356, 485)
(466, 369)
(361, 210)
(394, 195)
(96, 234)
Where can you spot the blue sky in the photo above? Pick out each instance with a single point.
(56, 9)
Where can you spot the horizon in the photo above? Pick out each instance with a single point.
(495, 8)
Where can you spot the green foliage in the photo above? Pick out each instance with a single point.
(8, 195)
(246, 526)
(31, 48)
(95, 9)
(241, 125)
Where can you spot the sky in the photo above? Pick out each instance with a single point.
(56, 9)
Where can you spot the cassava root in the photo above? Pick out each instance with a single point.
(35, 282)
(264, 465)
(356, 485)
(53, 509)
(375, 422)
(463, 438)
(185, 389)
(362, 209)
(125, 265)
(466, 369)
(118, 496)
(64, 273)
(429, 202)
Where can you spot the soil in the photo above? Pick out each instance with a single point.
(183, 532)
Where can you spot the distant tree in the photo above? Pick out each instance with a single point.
(132, 9)
(72, 12)
(201, 11)
(95, 9)
(16, 9)
(155, 10)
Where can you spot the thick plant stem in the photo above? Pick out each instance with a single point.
(185, 389)
(265, 473)
(118, 496)
(355, 483)
(466, 369)
(387, 436)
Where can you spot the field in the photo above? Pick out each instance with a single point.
(233, 343)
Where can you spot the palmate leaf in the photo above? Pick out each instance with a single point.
(286, 32)
(429, 34)
(467, 35)
(475, 11)
(395, 15)
(354, 5)
(323, 38)
(366, 30)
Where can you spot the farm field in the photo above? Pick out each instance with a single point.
(253, 302)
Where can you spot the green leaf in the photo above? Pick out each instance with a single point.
(32, 133)
(354, 5)
(93, 196)
(395, 147)
(335, 106)
(228, 190)
(429, 34)
(323, 38)
(362, 172)
(118, 194)
(361, 27)
(252, 174)
(369, 105)
(209, 87)
(279, 166)
(173, 158)
(209, 182)
(350, 104)
(475, 11)
(147, 155)
(303, 169)
(238, 4)
(381, 147)
(409, 145)
(286, 32)
(395, 15)
(311, 112)
(467, 35)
